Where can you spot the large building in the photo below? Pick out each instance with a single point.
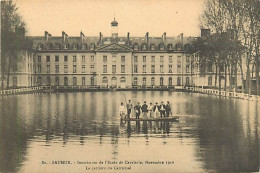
(122, 62)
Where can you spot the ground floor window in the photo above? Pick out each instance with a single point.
(66, 81)
(74, 81)
(104, 80)
(57, 81)
(83, 81)
(39, 81)
(135, 81)
(179, 81)
(161, 81)
(122, 79)
(152, 81)
(210, 81)
(170, 81)
(144, 81)
(48, 80)
(187, 81)
(14, 81)
(92, 81)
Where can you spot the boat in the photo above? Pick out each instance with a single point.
(173, 118)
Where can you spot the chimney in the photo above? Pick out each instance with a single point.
(147, 37)
(64, 36)
(47, 35)
(205, 33)
(128, 36)
(164, 37)
(100, 38)
(82, 36)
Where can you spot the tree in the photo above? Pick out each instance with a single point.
(13, 39)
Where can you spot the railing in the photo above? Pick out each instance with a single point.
(224, 93)
(23, 90)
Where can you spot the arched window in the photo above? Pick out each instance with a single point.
(152, 47)
(187, 81)
(144, 81)
(161, 81)
(83, 81)
(169, 47)
(135, 81)
(39, 81)
(57, 81)
(170, 81)
(14, 81)
(179, 81)
(122, 79)
(210, 81)
(144, 46)
(74, 81)
(178, 46)
(136, 46)
(114, 81)
(152, 81)
(48, 80)
(104, 80)
(92, 81)
(66, 81)
(161, 46)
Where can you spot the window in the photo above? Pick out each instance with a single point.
(39, 58)
(39, 81)
(135, 81)
(92, 58)
(161, 58)
(57, 81)
(65, 68)
(153, 59)
(113, 58)
(104, 68)
(170, 59)
(74, 81)
(74, 58)
(170, 68)
(92, 68)
(144, 81)
(152, 81)
(179, 59)
(104, 58)
(187, 68)
(187, 59)
(48, 58)
(56, 68)
(83, 69)
(153, 69)
(135, 59)
(122, 58)
(144, 68)
(104, 80)
(48, 80)
(170, 81)
(74, 68)
(48, 69)
(83, 79)
(161, 68)
(187, 81)
(113, 68)
(135, 68)
(144, 58)
(39, 68)
(178, 68)
(179, 81)
(161, 81)
(210, 68)
(66, 81)
(14, 81)
(210, 81)
(221, 68)
(65, 58)
(122, 68)
(83, 58)
(56, 58)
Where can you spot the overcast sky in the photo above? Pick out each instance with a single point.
(94, 16)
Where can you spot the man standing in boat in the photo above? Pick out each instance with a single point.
(144, 110)
(137, 109)
(129, 107)
(150, 110)
(162, 108)
(156, 110)
(122, 111)
(168, 109)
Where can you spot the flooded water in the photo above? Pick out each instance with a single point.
(213, 134)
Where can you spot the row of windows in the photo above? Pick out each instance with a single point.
(65, 58)
(83, 58)
(57, 68)
(162, 68)
(162, 81)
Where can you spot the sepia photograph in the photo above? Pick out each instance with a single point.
(129, 86)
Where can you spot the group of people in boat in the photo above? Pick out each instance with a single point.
(147, 111)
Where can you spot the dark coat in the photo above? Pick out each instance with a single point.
(163, 107)
(154, 107)
(138, 108)
(144, 108)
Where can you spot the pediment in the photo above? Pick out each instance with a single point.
(114, 47)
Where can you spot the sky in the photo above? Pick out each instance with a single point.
(93, 16)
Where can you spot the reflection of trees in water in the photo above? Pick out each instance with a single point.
(13, 131)
(223, 146)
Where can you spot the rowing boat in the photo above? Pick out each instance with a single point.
(173, 118)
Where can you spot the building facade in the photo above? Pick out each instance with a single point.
(121, 62)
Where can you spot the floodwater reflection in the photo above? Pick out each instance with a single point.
(213, 134)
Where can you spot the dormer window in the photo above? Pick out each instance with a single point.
(57, 46)
(144, 47)
(39, 47)
(136, 47)
(84, 46)
(66, 46)
(153, 47)
(161, 46)
(170, 47)
(75, 46)
(92, 46)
